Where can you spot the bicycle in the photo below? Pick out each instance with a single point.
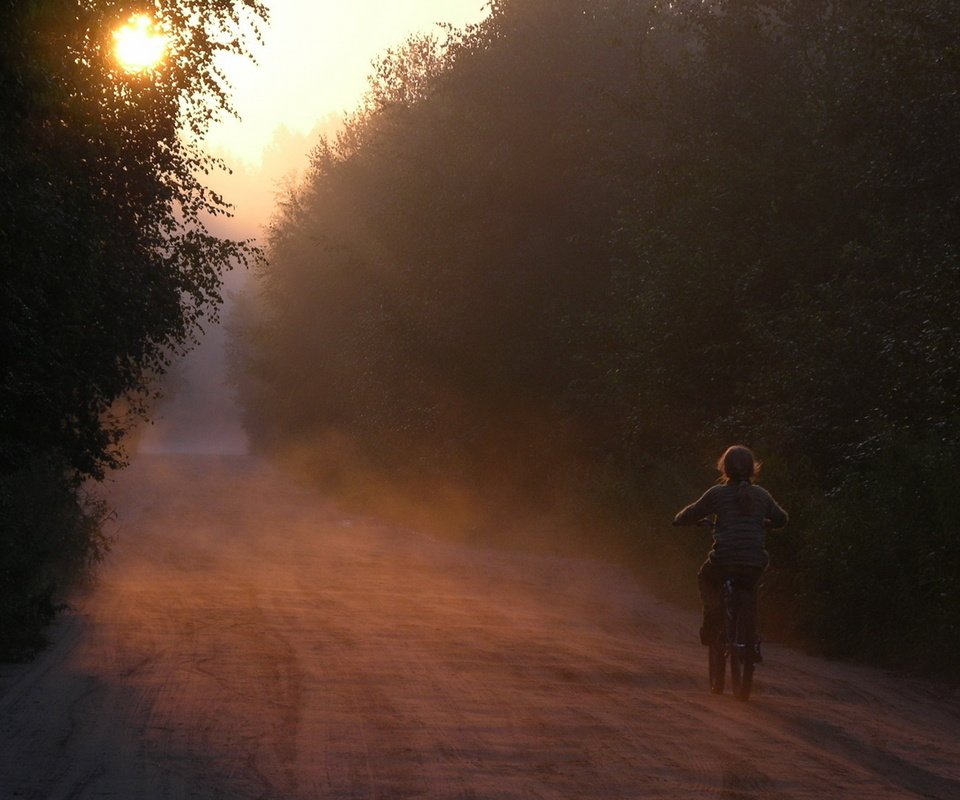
(736, 639)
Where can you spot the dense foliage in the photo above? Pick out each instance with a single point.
(107, 263)
(569, 254)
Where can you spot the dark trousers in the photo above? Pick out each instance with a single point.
(709, 577)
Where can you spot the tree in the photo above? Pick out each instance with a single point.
(596, 242)
(107, 263)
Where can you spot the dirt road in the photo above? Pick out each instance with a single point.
(248, 640)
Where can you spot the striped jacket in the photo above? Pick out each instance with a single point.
(738, 539)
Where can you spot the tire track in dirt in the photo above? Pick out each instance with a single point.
(248, 640)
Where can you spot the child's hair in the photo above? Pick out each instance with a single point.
(739, 467)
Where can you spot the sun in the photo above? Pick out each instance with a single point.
(138, 45)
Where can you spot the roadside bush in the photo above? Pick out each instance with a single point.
(53, 537)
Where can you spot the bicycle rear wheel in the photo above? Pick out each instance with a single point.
(741, 671)
(741, 651)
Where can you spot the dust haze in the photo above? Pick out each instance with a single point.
(197, 409)
(249, 638)
(253, 637)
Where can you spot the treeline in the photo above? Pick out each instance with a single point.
(560, 259)
(106, 266)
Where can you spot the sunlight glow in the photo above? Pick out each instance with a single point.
(137, 45)
(314, 62)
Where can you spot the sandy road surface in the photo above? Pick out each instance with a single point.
(247, 640)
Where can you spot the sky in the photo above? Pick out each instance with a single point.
(314, 64)
(312, 69)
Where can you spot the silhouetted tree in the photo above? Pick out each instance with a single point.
(107, 262)
(582, 246)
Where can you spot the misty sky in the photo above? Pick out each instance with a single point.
(315, 61)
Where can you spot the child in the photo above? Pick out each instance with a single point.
(742, 511)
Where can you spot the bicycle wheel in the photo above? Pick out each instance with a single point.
(741, 672)
(741, 651)
(718, 667)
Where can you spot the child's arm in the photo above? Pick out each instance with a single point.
(777, 516)
(694, 512)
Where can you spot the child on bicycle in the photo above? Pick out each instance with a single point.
(742, 511)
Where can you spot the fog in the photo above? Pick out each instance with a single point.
(197, 411)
